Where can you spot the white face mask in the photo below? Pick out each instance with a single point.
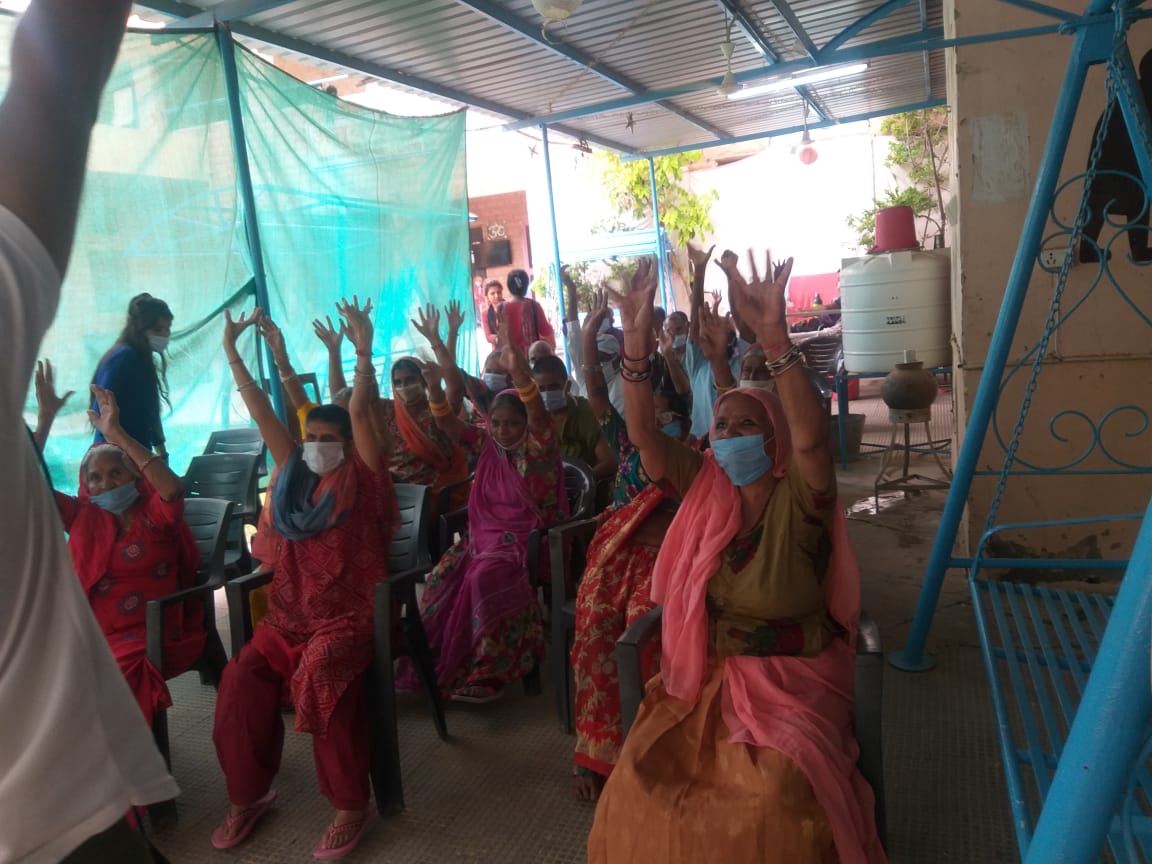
(680, 342)
(409, 393)
(768, 385)
(323, 457)
(157, 343)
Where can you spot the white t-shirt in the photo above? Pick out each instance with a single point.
(75, 751)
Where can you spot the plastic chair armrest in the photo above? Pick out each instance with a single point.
(452, 523)
(154, 619)
(240, 606)
(628, 650)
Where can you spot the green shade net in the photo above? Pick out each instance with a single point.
(349, 201)
(352, 201)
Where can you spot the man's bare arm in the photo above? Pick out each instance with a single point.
(62, 54)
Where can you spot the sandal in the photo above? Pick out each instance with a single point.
(349, 832)
(236, 827)
(477, 694)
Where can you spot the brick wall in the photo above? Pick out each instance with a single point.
(510, 210)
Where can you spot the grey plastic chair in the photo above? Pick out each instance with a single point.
(568, 547)
(208, 519)
(231, 477)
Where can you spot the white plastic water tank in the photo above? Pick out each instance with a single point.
(894, 302)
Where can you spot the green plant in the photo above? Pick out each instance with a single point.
(684, 214)
(918, 147)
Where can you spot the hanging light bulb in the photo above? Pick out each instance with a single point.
(807, 153)
(729, 84)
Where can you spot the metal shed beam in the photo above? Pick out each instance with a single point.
(308, 49)
(796, 27)
(790, 130)
(229, 10)
(911, 43)
(863, 23)
(533, 32)
(760, 41)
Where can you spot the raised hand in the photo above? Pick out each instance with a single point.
(272, 335)
(357, 323)
(511, 360)
(433, 374)
(664, 339)
(46, 398)
(326, 333)
(233, 328)
(106, 417)
(428, 324)
(715, 331)
(636, 306)
(699, 257)
(761, 301)
(716, 298)
(455, 316)
(597, 314)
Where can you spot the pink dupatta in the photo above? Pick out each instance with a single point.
(798, 706)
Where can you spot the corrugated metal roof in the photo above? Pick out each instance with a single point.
(490, 54)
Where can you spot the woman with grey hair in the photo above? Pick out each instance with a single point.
(130, 544)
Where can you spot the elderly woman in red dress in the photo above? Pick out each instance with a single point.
(130, 544)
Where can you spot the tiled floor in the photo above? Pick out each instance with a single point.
(498, 790)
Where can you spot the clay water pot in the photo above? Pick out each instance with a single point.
(909, 387)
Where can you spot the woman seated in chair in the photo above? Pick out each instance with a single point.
(479, 607)
(421, 453)
(130, 544)
(615, 589)
(333, 505)
(743, 748)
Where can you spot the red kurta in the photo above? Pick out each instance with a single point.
(321, 599)
(149, 561)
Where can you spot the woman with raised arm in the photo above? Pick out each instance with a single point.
(333, 504)
(480, 608)
(421, 454)
(743, 748)
(130, 544)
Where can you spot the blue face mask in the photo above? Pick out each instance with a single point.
(495, 381)
(117, 500)
(672, 430)
(743, 459)
(554, 400)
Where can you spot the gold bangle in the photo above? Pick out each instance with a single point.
(240, 388)
(528, 392)
(440, 409)
(149, 461)
(721, 388)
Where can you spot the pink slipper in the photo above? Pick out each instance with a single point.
(235, 829)
(352, 830)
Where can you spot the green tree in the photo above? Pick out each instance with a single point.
(684, 214)
(918, 148)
